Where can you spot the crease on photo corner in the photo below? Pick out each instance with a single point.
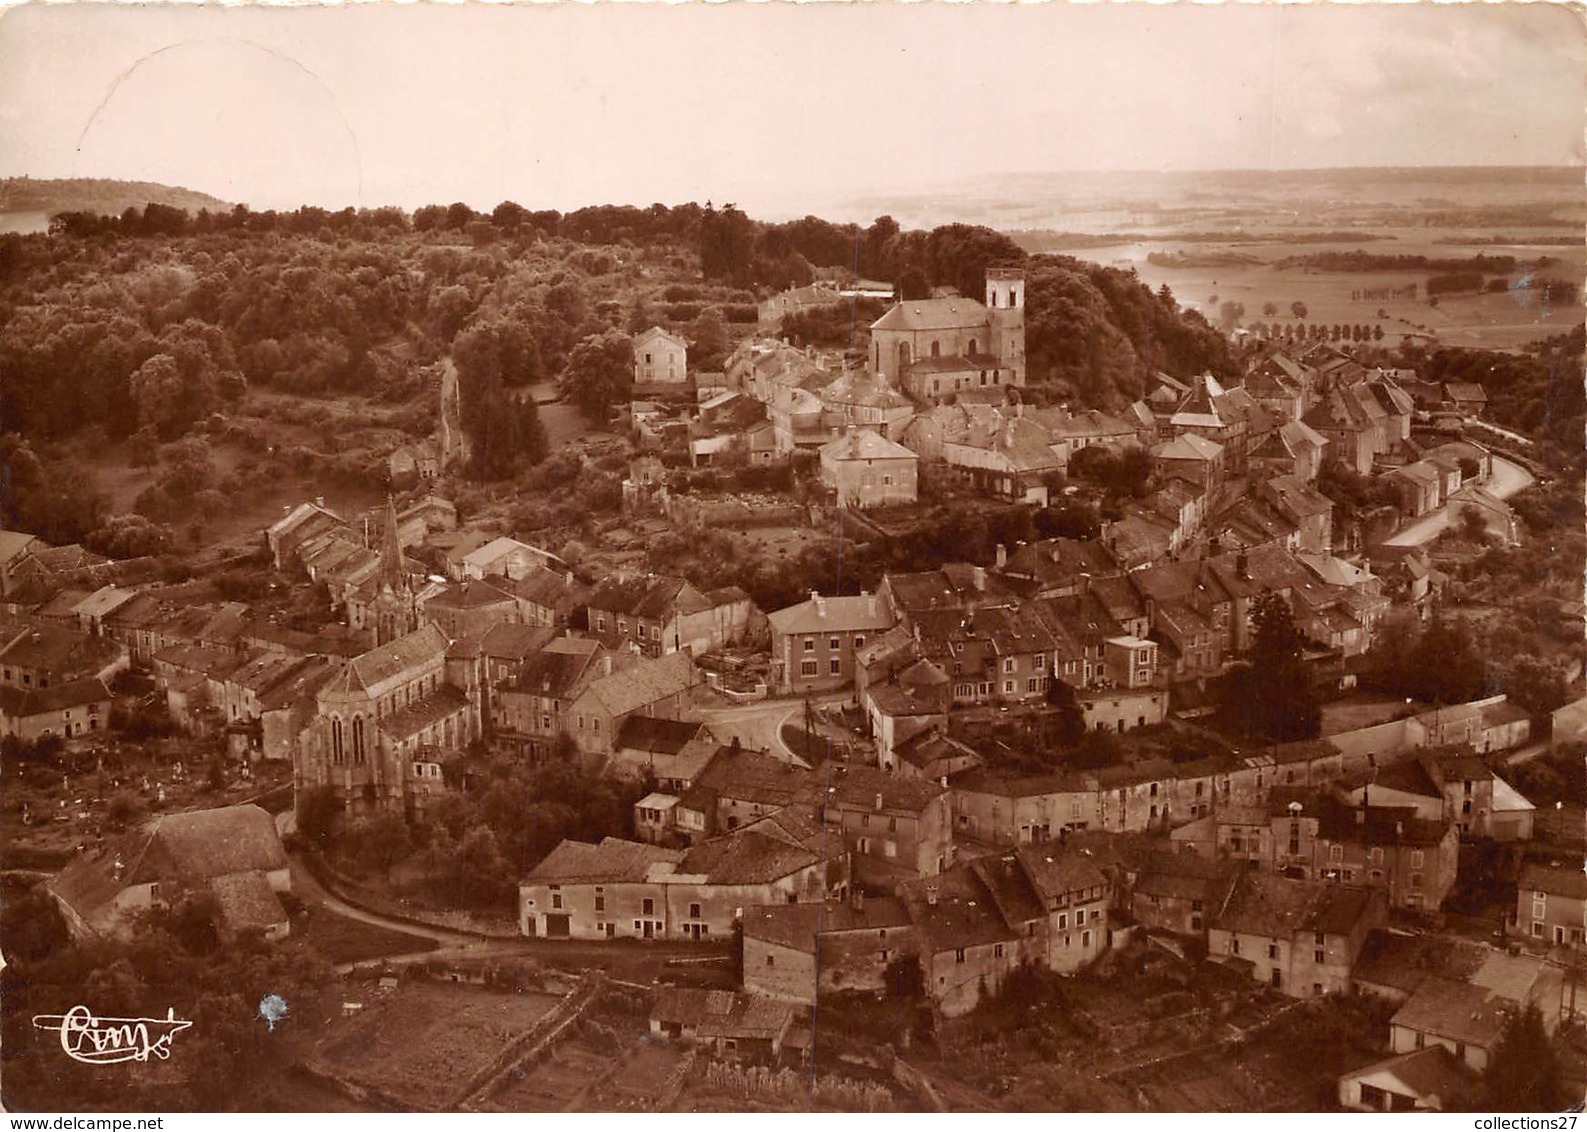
(281, 56)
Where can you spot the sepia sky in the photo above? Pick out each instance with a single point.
(560, 105)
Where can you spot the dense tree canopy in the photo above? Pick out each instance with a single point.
(1270, 694)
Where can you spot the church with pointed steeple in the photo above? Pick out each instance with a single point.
(394, 610)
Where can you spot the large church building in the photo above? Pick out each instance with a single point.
(930, 348)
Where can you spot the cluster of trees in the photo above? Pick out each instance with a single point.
(479, 841)
(1098, 333)
(1319, 332)
(1269, 695)
(1455, 282)
(1538, 391)
(1123, 474)
(228, 1060)
(1439, 662)
(1362, 261)
(53, 499)
(1383, 294)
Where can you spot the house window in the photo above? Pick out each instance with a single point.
(836, 666)
(834, 644)
(1336, 853)
(1085, 939)
(556, 900)
(771, 961)
(1272, 951)
(1317, 956)
(958, 955)
(1008, 687)
(1234, 945)
(1063, 920)
(694, 911)
(600, 903)
(859, 641)
(810, 644)
(809, 668)
(648, 906)
(1416, 858)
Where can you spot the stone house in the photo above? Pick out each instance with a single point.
(633, 890)
(660, 358)
(799, 952)
(657, 687)
(657, 615)
(866, 469)
(895, 826)
(813, 643)
(231, 853)
(1551, 903)
(1300, 937)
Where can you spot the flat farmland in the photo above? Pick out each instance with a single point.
(421, 1043)
(581, 1074)
(1497, 321)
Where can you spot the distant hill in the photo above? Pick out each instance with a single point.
(90, 194)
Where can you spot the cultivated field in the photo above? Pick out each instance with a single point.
(422, 1042)
(1498, 321)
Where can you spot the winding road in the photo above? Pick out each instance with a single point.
(758, 726)
(1508, 479)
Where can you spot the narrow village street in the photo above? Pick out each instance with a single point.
(1508, 479)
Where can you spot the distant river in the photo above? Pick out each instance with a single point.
(25, 223)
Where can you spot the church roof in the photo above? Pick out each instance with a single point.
(932, 314)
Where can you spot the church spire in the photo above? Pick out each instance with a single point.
(392, 572)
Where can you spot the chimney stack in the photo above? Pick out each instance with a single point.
(606, 665)
(1002, 556)
(878, 801)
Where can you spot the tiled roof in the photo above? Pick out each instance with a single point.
(798, 925)
(1404, 961)
(658, 736)
(1556, 879)
(408, 721)
(743, 857)
(21, 703)
(1279, 907)
(612, 859)
(750, 776)
(470, 594)
(858, 786)
(388, 660)
(246, 900)
(866, 612)
(865, 444)
(654, 597)
(560, 669)
(953, 910)
(1460, 1012)
(645, 682)
(932, 314)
